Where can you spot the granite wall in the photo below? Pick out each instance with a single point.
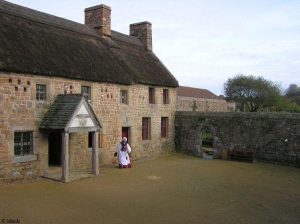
(274, 137)
(20, 111)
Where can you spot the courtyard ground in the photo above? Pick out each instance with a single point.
(172, 189)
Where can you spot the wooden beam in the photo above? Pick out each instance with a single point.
(65, 157)
(95, 154)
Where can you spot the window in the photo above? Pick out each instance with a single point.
(40, 92)
(164, 127)
(124, 96)
(86, 92)
(146, 128)
(23, 143)
(165, 96)
(151, 95)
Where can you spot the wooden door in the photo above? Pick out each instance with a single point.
(125, 133)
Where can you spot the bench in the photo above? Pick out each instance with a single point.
(242, 155)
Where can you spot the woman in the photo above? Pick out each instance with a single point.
(123, 150)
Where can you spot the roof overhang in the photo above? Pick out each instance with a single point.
(70, 113)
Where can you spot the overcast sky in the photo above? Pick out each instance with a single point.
(204, 42)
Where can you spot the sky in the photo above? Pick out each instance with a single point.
(205, 42)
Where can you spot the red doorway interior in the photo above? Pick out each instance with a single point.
(125, 133)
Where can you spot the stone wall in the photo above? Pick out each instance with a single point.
(19, 111)
(200, 105)
(275, 137)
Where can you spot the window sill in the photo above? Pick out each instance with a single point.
(91, 148)
(146, 140)
(27, 158)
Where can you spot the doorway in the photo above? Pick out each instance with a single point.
(126, 133)
(55, 148)
(207, 143)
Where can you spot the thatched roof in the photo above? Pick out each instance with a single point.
(37, 43)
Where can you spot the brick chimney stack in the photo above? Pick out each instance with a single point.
(142, 31)
(98, 17)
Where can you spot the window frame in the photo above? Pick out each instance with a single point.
(164, 127)
(41, 92)
(22, 143)
(166, 98)
(151, 92)
(146, 128)
(124, 98)
(88, 94)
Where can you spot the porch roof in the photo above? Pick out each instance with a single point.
(64, 110)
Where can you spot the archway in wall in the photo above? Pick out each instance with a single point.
(207, 143)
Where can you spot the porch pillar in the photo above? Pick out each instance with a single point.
(65, 157)
(95, 154)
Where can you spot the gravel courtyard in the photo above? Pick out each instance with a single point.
(172, 189)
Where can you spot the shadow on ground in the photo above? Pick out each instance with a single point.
(171, 189)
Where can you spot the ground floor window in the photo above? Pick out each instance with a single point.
(164, 127)
(146, 128)
(23, 143)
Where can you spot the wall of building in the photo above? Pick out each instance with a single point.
(201, 105)
(275, 137)
(19, 110)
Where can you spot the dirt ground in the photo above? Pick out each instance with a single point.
(172, 189)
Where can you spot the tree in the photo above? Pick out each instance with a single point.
(284, 104)
(254, 94)
(293, 93)
(194, 106)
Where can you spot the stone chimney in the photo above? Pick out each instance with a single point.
(98, 17)
(142, 31)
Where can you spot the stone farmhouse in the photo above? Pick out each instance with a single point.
(194, 99)
(70, 91)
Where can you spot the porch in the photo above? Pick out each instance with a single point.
(69, 113)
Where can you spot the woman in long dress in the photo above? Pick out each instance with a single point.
(123, 150)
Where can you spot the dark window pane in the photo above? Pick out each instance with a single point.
(165, 96)
(124, 97)
(146, 129)
(40, 92)
(86, 92)
(164, 127)
(23, 143)
(151, 96)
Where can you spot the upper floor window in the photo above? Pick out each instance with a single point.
(165, 96)
(40, 92)
(124, 96)
(86, 92)
(151, 95)
(146, 128)
(164, 127)
(23, 143)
